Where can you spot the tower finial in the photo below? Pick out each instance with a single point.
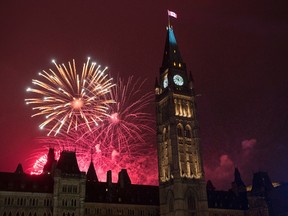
(91, 155)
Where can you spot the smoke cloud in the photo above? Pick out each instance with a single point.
(222, 175)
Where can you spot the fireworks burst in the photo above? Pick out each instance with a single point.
(124, 139)
(68, 99)
(41, 159)
(128, 124)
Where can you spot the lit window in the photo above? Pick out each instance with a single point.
(174, 51)
(180, 65)
(174, 63)
(180, 130)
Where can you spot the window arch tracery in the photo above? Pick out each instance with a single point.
(188, 131)
(180, 130)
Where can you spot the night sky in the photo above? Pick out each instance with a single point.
(236, 50)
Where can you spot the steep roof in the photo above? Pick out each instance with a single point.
(67, 163)
(171, 56)
(91, 173)
(19, 169)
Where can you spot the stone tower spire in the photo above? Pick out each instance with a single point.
(181, 174)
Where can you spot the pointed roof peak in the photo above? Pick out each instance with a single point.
(91, 173)
(172, 57)
(237, 178)
(19, 169)
(237, 174)
(67, 163)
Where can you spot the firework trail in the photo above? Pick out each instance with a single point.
(124, 139)
(128, 124)
(68, 99)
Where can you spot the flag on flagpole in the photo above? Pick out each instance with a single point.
(172, 14)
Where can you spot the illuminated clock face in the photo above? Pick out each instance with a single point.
(165, 82)
(178, 80)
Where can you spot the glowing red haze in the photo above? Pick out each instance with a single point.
(124, 140)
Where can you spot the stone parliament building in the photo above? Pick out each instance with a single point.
(63, 190)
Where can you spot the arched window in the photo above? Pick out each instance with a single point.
(188, 132)
(179, 130)
(4, 214)
(22, 214)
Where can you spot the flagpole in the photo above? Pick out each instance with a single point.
(168, 19)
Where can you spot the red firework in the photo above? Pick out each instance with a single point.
(122, 140)
(128, 125)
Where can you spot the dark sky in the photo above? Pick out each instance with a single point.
(237, 52)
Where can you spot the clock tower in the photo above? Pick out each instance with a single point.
(181, 176)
